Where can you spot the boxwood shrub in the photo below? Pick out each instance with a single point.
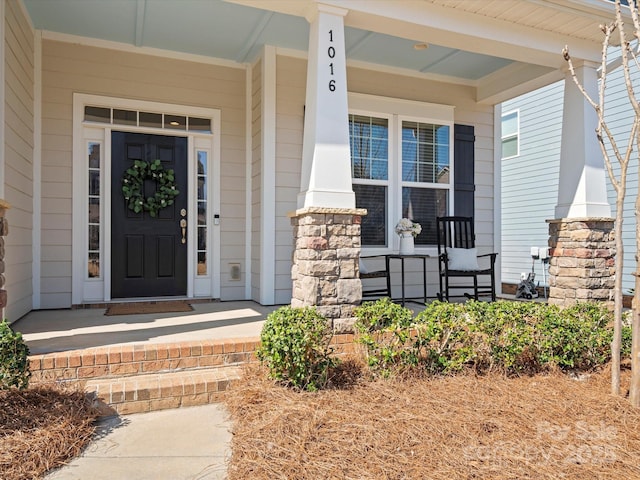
(294, 345)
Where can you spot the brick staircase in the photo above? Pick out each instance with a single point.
(136, 378)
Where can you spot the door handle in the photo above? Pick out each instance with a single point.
(183, 226)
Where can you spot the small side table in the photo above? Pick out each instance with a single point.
(402, 258)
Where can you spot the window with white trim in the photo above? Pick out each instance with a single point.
(369, 139)
(511, 134)
(412, 179)
(426, 179)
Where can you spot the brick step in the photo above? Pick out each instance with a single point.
(135, 378)
(135, 359)
(159, 391)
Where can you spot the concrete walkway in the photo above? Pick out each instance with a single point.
(191, 443)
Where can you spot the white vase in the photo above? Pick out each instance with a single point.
(406, 244)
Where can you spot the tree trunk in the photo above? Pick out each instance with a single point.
(617, 298)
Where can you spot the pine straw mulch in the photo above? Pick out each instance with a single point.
(40, 429)
(463, 427)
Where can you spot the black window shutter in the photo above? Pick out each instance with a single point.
(463, 170)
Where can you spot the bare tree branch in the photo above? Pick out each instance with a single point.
(606, 139)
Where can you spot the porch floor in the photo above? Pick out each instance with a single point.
(47, 331)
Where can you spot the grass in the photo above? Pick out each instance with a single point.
(457, 427)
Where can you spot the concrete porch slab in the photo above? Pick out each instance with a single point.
(47, 331)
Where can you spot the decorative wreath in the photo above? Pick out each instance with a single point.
(133, 187)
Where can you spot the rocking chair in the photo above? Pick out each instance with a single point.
(458, 258)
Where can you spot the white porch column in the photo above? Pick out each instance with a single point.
(326, 224)
(326, 163)
(582, 250)
(582, 188)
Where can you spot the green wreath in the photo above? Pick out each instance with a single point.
(133, 187)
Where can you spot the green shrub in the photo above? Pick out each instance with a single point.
(14, 364)
(578, 337)
(447, 338)
(295, 347)
(383, 327)
(513, 337)
(511, 334)
(380, 314)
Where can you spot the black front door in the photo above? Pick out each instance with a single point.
(148, 254)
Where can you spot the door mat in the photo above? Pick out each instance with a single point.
(138, 308)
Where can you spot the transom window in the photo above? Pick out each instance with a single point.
(139, 118)
(401, 167)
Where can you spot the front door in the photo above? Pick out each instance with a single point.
(148, 248)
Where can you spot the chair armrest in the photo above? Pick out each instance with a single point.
(492, 255)
(372, 256)
(378, 272)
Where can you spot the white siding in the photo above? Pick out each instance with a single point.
(19, 124)
(69, 68)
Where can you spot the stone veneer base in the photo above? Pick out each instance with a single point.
(581, 266)
(325, 271)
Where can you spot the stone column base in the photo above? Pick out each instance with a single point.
(325, 270)
(581, 266)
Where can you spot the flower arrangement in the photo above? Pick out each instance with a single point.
(406, 225)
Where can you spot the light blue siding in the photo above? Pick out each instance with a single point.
(530, 181)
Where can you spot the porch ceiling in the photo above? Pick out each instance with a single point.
(503, 48)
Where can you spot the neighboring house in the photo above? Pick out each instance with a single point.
(531, 138)
(250, 103)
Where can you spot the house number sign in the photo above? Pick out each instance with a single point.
(331, 52)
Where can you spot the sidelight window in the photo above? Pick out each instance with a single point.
(94, 154)
(201, 179)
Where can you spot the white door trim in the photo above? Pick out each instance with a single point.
(92, 290)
